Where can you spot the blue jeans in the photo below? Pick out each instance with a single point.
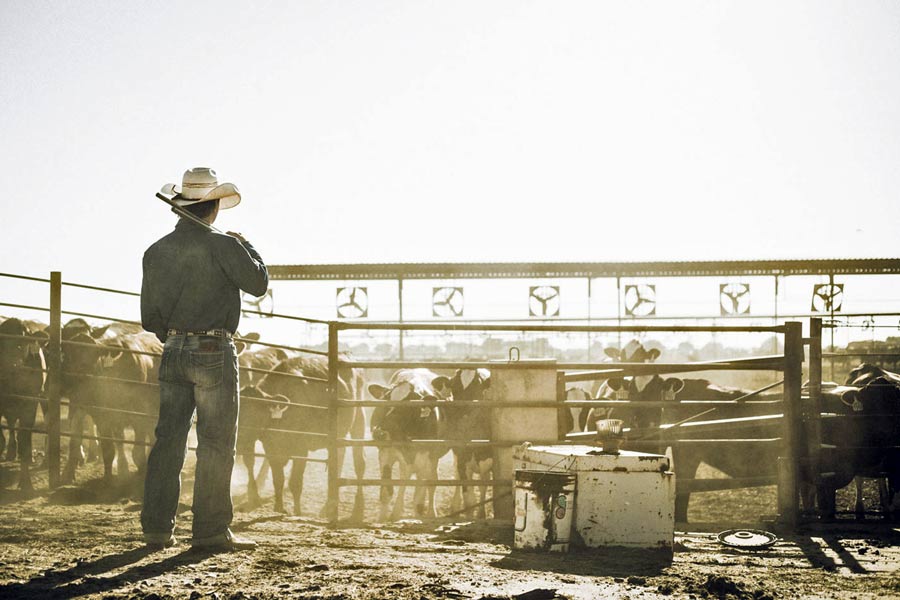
(196, 372)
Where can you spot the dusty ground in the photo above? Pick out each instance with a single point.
(93, 549)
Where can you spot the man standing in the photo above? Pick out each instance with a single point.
(190, 298)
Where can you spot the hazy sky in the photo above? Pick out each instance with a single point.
(460, 131)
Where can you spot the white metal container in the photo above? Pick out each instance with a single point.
(545, 502)
(624, 499)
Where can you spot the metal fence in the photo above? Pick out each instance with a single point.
(798, 413)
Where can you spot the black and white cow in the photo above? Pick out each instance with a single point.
(22, 374)
(399, 424)
(636, 389)
(468, 423)
(864, 432)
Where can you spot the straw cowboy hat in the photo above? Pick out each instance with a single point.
(200, 185)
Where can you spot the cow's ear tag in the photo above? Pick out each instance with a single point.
(621, 394)
(424, 413)
(277, 412)
(669, 395)
(107, 361)
(857, 405)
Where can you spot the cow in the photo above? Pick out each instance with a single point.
(859, 428)
(636, 389)
(400, 424)
(865, 432)
(574, 420)
(468, 423)
(301, 380)
(254, 414)
(22, 367)
(111, 380)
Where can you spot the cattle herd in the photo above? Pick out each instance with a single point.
(109, 396)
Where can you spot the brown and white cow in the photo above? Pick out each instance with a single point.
(306, 413)
(111, 380)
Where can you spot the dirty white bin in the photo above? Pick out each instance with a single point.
(545, 505)
(624, 499)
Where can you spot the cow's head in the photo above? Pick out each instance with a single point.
(633, 352)
(466, 384)
(398, 422)
(16, 351)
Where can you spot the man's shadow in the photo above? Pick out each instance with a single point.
(59, 584)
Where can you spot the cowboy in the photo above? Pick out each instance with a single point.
(190, 298)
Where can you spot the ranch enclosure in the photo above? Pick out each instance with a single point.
(324, 553)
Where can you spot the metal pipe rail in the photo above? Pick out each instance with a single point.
(551, 403)
(444, 326)
(101, 438)
(424, 482)
(766, 364)
(438, 443)
(283, 374)
(25, 277)
(101, 289)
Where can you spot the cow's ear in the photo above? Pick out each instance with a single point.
(441, 385)
(653, 354)
(281, 354)
(378, 391)
(674, 384)
(239, 347)
(616, 383)
(613, 353)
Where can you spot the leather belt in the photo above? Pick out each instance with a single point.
(222, 333)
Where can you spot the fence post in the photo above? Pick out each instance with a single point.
(333, 466)
(814, 407)
(54, 379)
(789, 462)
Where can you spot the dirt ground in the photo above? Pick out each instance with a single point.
(84, 542)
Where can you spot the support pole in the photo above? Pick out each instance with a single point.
(789, 462)
(332, 465)
(54, 379)
(813, 409)
(400, 300)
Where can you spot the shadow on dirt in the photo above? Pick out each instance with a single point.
(605, 562)
(834, 550)
(66, 584)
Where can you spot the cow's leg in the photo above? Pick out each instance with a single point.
(25, 455)
(685, 464)
(249, 460)
(298, 467)
(859, 507)
(358, 432)
(12, 448)
(76, 425)
(456, 503)
(341, 453)
(485, 470)
(425, 466)
(107, 450)
(121, 457)
(884, 497)
(400, 501)
(825, 498)
(264, 468)
(278, 465)
(139, 452)
(385, 468)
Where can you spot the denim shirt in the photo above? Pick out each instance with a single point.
(193, 277)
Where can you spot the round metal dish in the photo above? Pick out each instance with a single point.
(748, 539)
